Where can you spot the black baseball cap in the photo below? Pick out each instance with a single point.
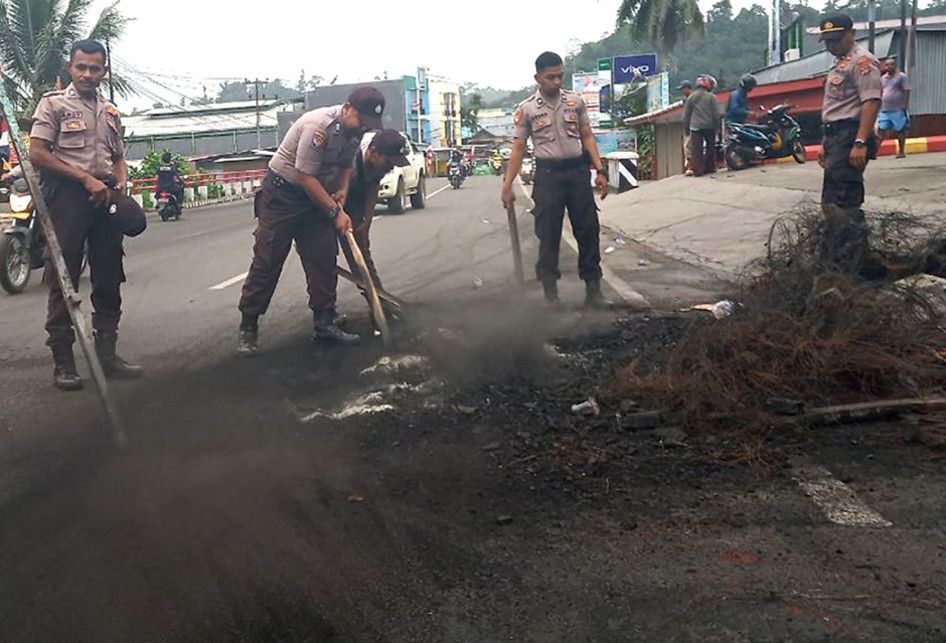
(393, 145)
(370, 105)
(685, 85)
(834, 26)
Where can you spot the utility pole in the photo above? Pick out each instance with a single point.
(903, 32)
(871, 20)
(111, 79)
(910, 61)
(256, 85)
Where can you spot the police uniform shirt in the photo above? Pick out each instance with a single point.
(83, 132)
(555, 125)
(854, 79)
(316, 145)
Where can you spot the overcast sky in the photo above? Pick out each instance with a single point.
(490, 42)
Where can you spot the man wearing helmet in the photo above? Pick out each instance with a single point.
(737, 109)
(701, 116)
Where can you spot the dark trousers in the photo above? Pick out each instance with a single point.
(78, 222)
(286, 214)
(553, 191)
(703, 151)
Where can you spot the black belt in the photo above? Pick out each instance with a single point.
(283, 184)
(559, 165)
(835, 126)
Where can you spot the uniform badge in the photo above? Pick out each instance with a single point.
(842, 65)
(517, 116)
(319, 139)
(836, 80)
(73, 126)
(338, 127)
(111, 110)
(863, 65)
(571, 102)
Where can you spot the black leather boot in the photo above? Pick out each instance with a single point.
(550, 288)
(326, 330)
(594, 298)
(248, 343)
(113, 365)
(65, 375)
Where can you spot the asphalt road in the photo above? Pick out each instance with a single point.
(264, 500)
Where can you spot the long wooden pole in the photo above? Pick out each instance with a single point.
(376, 310)
(516, 247)
(54, 252)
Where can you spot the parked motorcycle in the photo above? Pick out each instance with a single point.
(527, 171)
(776, 135)
(167, 206)
(455, 175)
(23, 244)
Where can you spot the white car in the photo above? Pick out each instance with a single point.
(403, 183)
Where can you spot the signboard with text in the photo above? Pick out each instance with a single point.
(589, 86)
(634, 68)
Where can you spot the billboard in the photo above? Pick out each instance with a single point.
(628, 69)
(658, 92)
(604, 91)
(588, 84)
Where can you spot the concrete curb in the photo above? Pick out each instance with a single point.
(919, 145)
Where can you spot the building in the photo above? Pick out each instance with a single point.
(205, 130)
(800, 83)
(497, 121)
(424, 111)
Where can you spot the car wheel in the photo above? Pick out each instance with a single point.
(396, 202)
(419, 198)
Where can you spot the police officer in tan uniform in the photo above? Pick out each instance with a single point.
(76, 143)
(302, 199)
(565, 147)
(853, 90)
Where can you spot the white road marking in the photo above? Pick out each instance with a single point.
(620, 286)
(836, 499)
(436, 192)
(229, 282)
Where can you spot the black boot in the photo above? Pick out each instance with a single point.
(247, 345)
(326, 330)
(65, 375)
(550, 288)
(113, 365)
(594, 297)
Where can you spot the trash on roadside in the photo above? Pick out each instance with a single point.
(618, 241)
(609, 250)
(356, 498)
(485, 220)
(478, 283)
(719, 310)
(643, 262)
(589, 407)
(395, 364)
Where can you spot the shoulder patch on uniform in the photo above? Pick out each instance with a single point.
(55, 92)
(863, 64)
(111, 110)
(517, 116)
(318, 139)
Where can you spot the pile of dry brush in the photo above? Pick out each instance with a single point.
(809, 330)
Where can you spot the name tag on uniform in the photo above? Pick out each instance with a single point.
(73, 126)
(571, 117)
(541, 122)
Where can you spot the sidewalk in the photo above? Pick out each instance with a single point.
(722, 222)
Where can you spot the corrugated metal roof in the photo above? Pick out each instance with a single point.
(184, 123)
(928, 77)
(817, 64)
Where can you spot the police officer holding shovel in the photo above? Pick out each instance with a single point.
(302, 200)
(853, 90)
(557, 120)
(76, 144)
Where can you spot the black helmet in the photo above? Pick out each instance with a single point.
(748, 81)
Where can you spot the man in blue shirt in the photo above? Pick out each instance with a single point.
(737, 109)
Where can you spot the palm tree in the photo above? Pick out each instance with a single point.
(664, 22)
(35, 37)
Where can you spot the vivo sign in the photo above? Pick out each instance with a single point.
(626, 68)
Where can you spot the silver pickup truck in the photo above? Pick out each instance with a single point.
(403, 183)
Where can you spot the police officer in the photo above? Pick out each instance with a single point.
(300, 201)
(379, 153)
(564, 145)
(76, 143)
(853, 90)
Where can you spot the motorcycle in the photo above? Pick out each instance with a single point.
(776, 135)
(527, 171)
(497, 163)
(23, 245)
(167, 206)
(455, 175)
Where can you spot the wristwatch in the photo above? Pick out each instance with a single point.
(333, 212)
(860, 143)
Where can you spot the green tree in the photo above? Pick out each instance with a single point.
(666, 22)
(470, 114)
(35, 38)
(152, 161)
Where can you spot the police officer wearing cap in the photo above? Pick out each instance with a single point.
(853, 90)
(76, 144)
(564, 147)
(378, 154)
(302, 200)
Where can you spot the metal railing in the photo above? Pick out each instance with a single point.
(201, 179)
